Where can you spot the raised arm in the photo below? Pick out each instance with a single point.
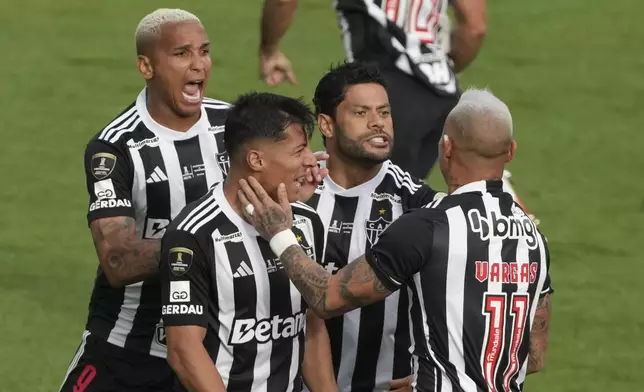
(124, 258)
(468, 36)
(277, 16)
(354, 286)
(397, 255)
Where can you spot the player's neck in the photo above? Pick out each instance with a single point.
(349, 174)
(457, 180)
(231, 186)
(163, 115)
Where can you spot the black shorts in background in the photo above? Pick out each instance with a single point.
(418, 114)
(99, 366)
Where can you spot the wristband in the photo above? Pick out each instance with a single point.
(281, 241)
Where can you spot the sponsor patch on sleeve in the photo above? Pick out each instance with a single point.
(180, 260)
(104, 189)
(180, 291)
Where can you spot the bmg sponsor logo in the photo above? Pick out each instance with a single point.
(504, 227)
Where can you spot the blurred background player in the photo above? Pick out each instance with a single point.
(162, 152)
(362, 194)
(412, 41)
(233, 319)
(476, 265)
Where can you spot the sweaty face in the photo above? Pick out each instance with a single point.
(286, 162)
(181, 62)
(363, 125)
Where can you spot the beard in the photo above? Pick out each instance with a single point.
(354, 150)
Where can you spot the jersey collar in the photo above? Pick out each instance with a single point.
(166, 133)
(228, 210)
(358, 190)
(483, 186)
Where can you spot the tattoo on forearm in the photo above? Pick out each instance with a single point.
(358, 284)
(130, 259)
(355, 275)
(539, 334)
(309, 278)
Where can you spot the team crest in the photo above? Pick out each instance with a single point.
(102, 165)
(223, 161)
(180, 260)
(374, 228)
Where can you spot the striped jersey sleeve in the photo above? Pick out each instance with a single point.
(404, 248)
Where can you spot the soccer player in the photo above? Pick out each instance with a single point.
(475, 263)
(363, 193)
(418, 52)
(233, 320)
(164, 150)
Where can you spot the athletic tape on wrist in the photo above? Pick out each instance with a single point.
(281, 241)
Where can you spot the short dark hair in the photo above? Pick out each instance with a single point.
(264, 115)
(332, 87)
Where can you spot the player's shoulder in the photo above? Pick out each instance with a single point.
(117, 129)
(215, 104)
(402, 179)
(119, 133)
(197, 216)
(427, 213)
(217, 111)
(303, 209)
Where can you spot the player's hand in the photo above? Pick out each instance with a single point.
(401, 384)
(267, 216)
(314, 177)
(274, 67)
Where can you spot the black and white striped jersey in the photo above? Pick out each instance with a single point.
(475, 265)
(138, 168)
(410, 35)
(370, 345)
(218, 273)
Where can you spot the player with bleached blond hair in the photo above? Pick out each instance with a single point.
(162, 152)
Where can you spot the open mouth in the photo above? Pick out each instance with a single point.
(192, 91)
(300, 181)
(378, 141)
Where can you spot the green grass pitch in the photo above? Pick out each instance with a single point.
(570, 70)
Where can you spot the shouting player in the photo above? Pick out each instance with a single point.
(163, 151)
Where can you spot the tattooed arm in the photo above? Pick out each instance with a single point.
(400, 252)
(539, 335)
(124, 258)
(354, 286)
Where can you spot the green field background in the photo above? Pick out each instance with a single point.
(571, 72)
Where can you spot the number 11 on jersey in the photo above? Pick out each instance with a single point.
(495, 310)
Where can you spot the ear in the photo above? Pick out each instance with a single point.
(255, 160)
(144, 64)
(446, 145)
(512, 151)
(325, 123)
